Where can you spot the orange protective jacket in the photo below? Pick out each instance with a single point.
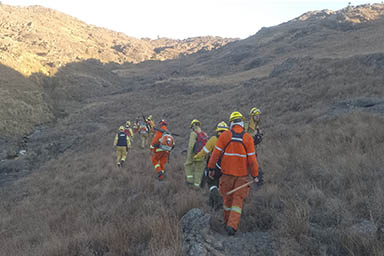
(236, 159)
(156, 139)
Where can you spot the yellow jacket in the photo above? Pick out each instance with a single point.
(208, 148)
(251, 127)
(191, 144)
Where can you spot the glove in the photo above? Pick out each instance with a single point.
(197, 158)
(211, 173)
(215, 199)
(260, 181)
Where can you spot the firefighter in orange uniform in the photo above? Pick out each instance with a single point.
(234, 154)
(160, 156)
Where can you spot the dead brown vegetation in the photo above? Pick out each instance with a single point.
(322, 151)
(322, 181)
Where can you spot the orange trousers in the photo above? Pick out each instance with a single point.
(233, 203)
(159, 159)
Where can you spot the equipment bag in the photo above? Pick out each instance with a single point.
(143, 128)
(167, 142)
(201, 140)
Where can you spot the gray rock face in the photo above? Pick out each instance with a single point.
(372, 105)
(201, 240)
(365, 227)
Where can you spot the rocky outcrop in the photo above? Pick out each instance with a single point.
(358, 14)
(201, 240)
(371, 105)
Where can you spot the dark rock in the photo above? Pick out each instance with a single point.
(372, 105)
(201, 239)
(367, 228)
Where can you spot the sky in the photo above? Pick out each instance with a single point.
(180, 19)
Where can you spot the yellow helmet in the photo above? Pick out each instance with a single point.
(222, 126)
(149, 117)
(121, 128)
(236, 115)
(128, 123)
(195, 122)
(255, 111)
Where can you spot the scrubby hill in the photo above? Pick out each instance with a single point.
(38, 39)
(321, 34)
(318, 81)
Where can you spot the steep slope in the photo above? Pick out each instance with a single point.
(37, 39)
(23, 103)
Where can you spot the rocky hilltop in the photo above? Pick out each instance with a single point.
(38, 39)
(360, 14)
(319, 34)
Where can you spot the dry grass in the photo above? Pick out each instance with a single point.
(323, 175)
(84, 205)
(320, 181)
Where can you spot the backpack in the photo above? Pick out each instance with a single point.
(143, 129)
(128, 132)
(201, 140)
(167, 142)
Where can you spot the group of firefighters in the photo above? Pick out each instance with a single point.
(223, 161)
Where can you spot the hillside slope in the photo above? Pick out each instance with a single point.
(322, 104)
(321, 34)
(38, 39)
(41, 41)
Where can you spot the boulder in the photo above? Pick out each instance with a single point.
(201, 240)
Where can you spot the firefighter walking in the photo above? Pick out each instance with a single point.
(150, 125)
(253, 128)
(162, 144)
(128, 130)
(194, 168)
(234, 154)
(143, 133)
(122, 143)
(215, 199)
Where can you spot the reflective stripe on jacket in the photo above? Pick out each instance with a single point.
(237, 158)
